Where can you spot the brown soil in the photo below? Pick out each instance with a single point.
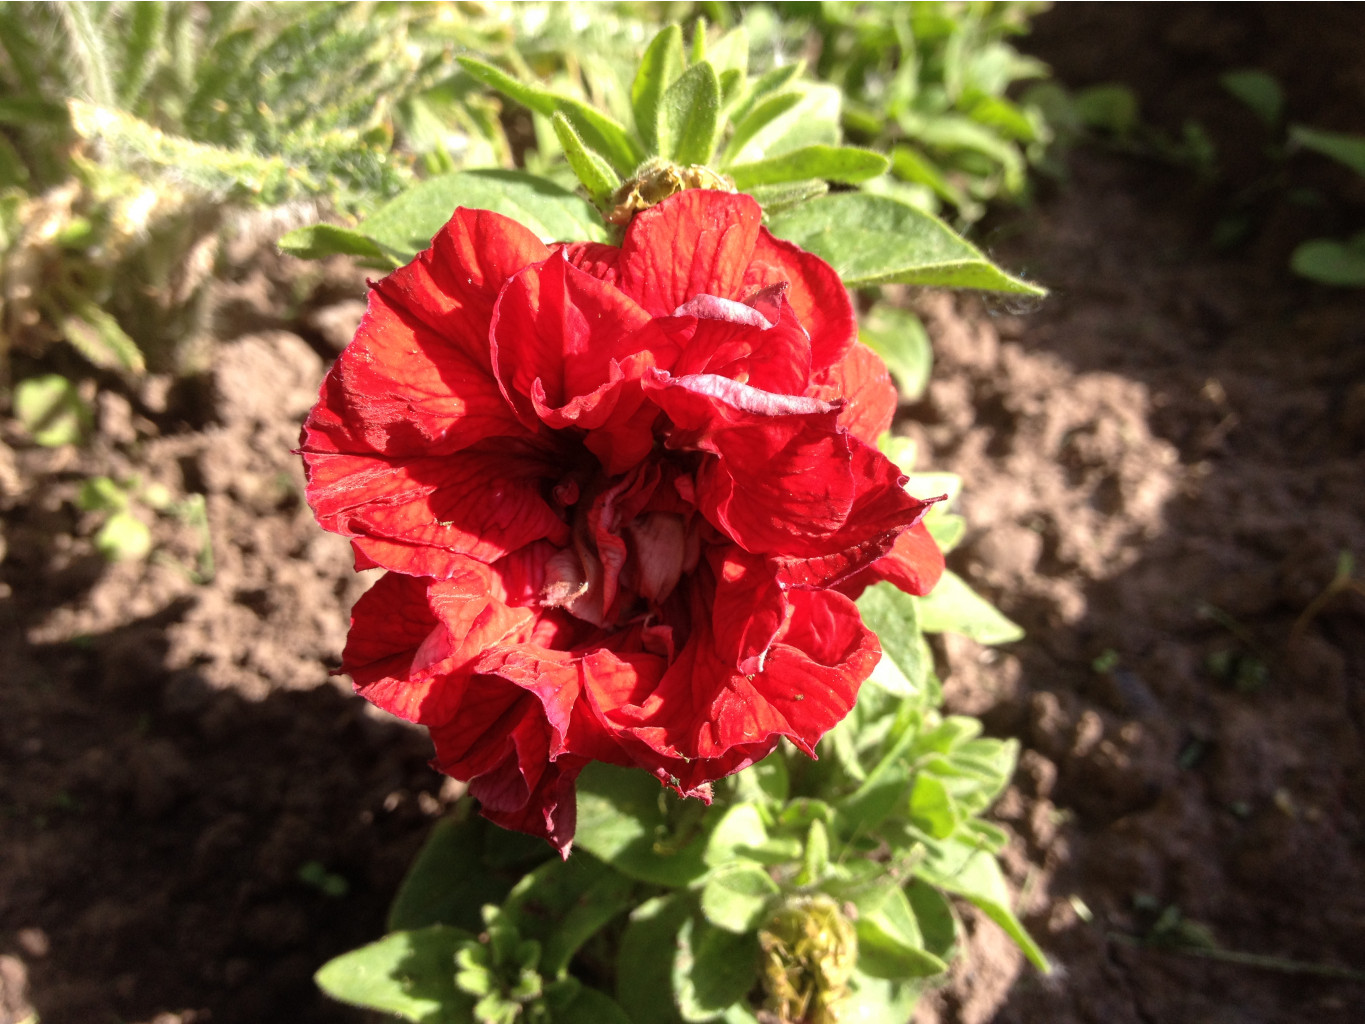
(1163, 463)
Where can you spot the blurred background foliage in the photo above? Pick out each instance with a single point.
(138, 139)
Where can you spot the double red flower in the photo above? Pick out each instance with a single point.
(624, 495)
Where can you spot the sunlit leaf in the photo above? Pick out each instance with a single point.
(876, 240)
(409, 974)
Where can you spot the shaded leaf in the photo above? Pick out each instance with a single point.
(623, 819)
(1259, 91)
(1329, 262)
(1344, 147)
(564, 903)
(712, 969)
(644, 962)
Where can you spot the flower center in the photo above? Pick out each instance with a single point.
(634, 537)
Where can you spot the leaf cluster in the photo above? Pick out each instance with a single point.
(729, 908)
(930, 84)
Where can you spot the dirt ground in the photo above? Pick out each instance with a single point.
(1163, 465)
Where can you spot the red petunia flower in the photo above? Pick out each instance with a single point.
(625, 495)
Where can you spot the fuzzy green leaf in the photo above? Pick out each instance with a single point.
(689, 116)
(318, 241)
(594, 172)
(562, 904)
(622, 819)
(763, 113)
(712, 970)
(661, 66)
(974, 874)
(845, 164)
(450, 880)
(644, 961)
(776, 198)
(409, 974)
(953, 607)
(736, 896)
(597, 130)
(407, 224)
(811, 121)
(876, 240)
(890, 944)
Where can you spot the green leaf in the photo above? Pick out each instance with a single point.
(123, 538)
(318, 241)
(689, 116)
(629, 821)
(889, 942)
(815, 856)
(96, 335)
(880, 1001)
(406, 224)
(845, 164)
(765, 85)
(1345, 147)
(894, 617)
(590, 1006)
(934, 916)
(712, 969)
(594, 172)
(1328, 262)
(776, 198)
(597, 130)
(564, 903)
(813, 119)
(947, 529)
(410, 974)
(975, 875)
(953, 607)
(899, 337)
(876, 240)
(644, 962)
(1259, 91)
(660, 67)
(739, 832)
(763, 113)
(1111, 108)
(51, 409)
(737, 896)
(450, 880)
(931, 808)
